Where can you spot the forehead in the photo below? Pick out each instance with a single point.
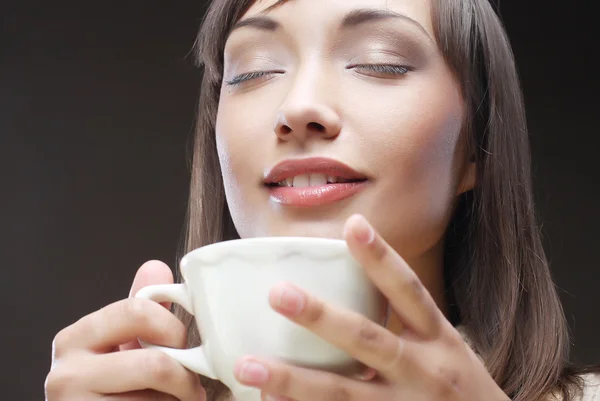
(332, 11)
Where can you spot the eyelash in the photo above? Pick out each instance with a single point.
(385, 69)
(250, 76)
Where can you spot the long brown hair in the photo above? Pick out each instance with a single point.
(498, 281)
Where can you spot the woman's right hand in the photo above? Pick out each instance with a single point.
(99, 356)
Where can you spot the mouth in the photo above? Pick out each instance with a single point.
(312, 182)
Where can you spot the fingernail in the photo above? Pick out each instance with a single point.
(366, 375)
(290, 300)
(253, 372)
(363, 232)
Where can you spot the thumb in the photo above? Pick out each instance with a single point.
(150, 273)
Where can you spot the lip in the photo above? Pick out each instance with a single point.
(315, 195)
(313, 165)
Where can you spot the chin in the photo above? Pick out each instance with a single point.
(286, 227)
(323, 232)
(276, 221)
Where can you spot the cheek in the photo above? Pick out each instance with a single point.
(411, 145)
(244, 129)
(415, 132)
(236, 131)
(242, 133)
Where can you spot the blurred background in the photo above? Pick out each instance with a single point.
(97, 108)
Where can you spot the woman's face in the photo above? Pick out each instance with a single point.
(356, 82)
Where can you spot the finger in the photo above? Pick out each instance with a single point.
(365, 340)
(150, 273)
(394, 278)
(297, 383)
(367, 374)
(141, 369)
(121, 322)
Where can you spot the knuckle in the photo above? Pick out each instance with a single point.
(338, 392)
(391, 360)
(61, 341)
(447, 381)
(58, 381)
(444, 391)
(138, 310)
(315, 312)
(159, 366)
(368, 335)
(153, 319)
(282, 381)
(379, 250)
(53, 386)
(413, 285)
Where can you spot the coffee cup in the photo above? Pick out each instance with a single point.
(226, 287)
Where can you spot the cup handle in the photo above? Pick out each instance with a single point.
(193, 358)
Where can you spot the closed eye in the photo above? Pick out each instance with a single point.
(381, 70)
(249, 76)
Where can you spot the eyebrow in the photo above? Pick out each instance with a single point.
(353, 19)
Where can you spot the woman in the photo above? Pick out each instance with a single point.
(399, 126)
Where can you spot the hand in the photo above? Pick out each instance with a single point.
(99, 357)
(428, 361)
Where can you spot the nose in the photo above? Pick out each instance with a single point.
(305, 114)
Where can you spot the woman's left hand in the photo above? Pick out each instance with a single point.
(428, 361)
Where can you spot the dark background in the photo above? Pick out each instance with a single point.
(97, 104)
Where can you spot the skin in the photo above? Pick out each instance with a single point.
(428, 360)
(406, 138)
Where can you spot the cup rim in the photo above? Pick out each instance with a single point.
(316, 246)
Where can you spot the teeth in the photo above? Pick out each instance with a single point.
(316, 180)
(286, 183)
(301, 181)
(311, 180)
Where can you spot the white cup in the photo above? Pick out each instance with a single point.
(226, 287)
